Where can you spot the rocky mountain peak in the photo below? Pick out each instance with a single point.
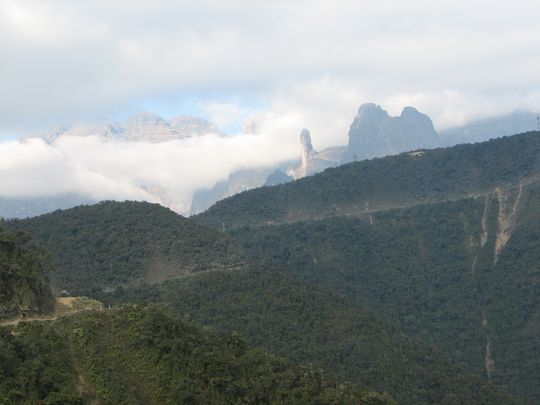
(374, 133)
(307, 152)
(145, 118)
(141, 127)
(412, 114)
(409, 111)
(369, 114)
(305, 140)
(188, 125)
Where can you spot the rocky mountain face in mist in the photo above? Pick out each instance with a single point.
(141, 127)
(314, 162)
(237, 182)
(374, 133)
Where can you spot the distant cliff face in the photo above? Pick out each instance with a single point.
(307, 152)
(374, 133)
(312, 161)
(142, 127)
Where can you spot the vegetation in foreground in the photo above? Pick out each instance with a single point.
(143, 355)
(24, 268)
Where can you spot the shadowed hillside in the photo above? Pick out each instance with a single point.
(110, 244)
(461, 275)
(307, 324)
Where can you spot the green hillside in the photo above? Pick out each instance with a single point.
(144, 356)
(24, 288)
(309, 325)
(390, 182)
(110, 244)
(461, 275)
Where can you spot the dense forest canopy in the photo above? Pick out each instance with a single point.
(308, 324)
(434, 271)
(144, 355)
(24, 269)
(126, 243)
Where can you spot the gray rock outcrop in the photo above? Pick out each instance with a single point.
(374, 133)
(140, 127)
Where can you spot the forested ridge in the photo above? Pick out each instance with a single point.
(126, 243)
(385, 183)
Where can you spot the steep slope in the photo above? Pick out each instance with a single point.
(142, 355)
(142, 126)
(111, 244)
(24, 288)
(380, 184)
(462, 275)
(307, 324)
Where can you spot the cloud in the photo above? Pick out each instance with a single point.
(99, 168)
(225, 114)
(65, 61)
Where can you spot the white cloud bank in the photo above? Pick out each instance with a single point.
(64, 60)
(99, 168)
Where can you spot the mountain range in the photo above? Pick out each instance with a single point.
(373, 133)
(414, 275)
(142, 126)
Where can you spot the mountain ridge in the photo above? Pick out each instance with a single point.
(112, 244)
(383, 183)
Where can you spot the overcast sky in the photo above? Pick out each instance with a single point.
(292, 64)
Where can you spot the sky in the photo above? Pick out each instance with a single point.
(288, 64)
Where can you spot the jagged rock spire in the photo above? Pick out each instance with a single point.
(307, 151)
